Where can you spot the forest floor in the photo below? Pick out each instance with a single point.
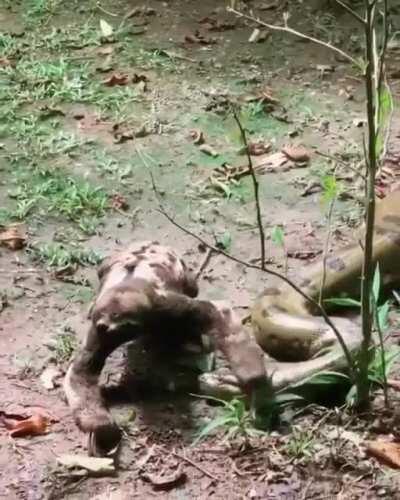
(86, 112)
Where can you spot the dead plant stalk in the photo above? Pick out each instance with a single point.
(255, 187)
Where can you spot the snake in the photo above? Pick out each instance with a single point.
(296, 340)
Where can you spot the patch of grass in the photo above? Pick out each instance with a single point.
(59, 255)
(60, 195)
(65, 344)
(155, 59)
(234, 419)
(38, 8)
(300, 444)
(25, 364)
(79, 294)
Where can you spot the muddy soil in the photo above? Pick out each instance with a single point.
(101, 109)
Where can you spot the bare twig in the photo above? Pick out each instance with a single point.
(343, 163)
(195, 465)
(102, 9)
(286, 29)
(326, 247)
(204, 264)
(255, 187)
(271, 272)
(351, 11)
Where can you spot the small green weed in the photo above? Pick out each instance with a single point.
(300, 444)
(235, 420)
(59, 255)
(60, 194)
(65, 344)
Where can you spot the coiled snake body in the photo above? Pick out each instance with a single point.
(285, 324)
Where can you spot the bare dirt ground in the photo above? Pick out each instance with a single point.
(84, 115)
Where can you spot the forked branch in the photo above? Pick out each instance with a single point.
(299, 34)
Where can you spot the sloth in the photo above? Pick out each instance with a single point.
(147, 292)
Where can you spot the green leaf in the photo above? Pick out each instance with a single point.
(345, 301)
(330, 188)
(224, 241)
(383, 314)
(106, 29)
(278, 236)
(351, 395)
(376, 284)
(385, 109)
(211, 426)
(285, 398)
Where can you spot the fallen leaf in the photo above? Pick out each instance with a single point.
(96, 465)
(105, 51)
(4, 61)
(394, 384)
(32, 426)
(13, 237)
(136, 78)
(49, 377)
(142, 132)
(198, 38)
(197, 136)
(141, 87)
(116, 79)
(271, 162)
(141, 11)
(208, 150)
(50, 112)
(303, 254)
(118, 202)
(212, 24)
(161, 482)
(385, 452)
(258, 148)
(269, 6)
(106, 29)
(121, 137)
(258, 36)
(325, 68)
(296, 153)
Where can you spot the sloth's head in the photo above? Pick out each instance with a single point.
(119, 306)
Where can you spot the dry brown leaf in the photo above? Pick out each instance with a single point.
(116, 79)
(385, 452)
(35, 425)
(4, 61)
(271, 162)
(258, 148)
(105, 51)
(118, 202)
(211, 24)
(49, 377)
(296, 153)
(140, 11)
(96, 465)
(136, 78)
(13, 237)
(208, 150)
(197, 37)
(161, 482)
(197, 136)
(394, 384)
